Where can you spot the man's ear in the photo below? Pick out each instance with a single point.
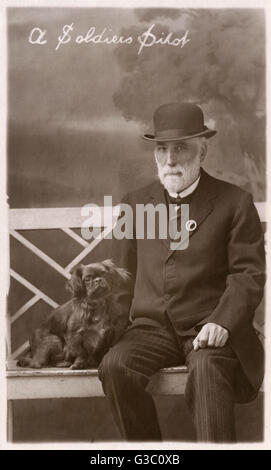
(203, 150)
(75, 285)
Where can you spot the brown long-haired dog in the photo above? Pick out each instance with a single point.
(79, 333)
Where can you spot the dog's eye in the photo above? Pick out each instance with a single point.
(88, 278)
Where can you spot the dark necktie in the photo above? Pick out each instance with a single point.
(175, 200)
(179, 200)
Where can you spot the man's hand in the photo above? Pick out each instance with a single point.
(211, 335)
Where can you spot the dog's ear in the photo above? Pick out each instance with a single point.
(75, 285)
(119, 275)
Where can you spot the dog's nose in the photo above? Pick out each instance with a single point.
(97, 280)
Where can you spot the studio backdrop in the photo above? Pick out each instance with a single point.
(82, 87)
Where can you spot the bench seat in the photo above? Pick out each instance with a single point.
(47, 383)
(26, 383)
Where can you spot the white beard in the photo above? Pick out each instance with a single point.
(175, 183)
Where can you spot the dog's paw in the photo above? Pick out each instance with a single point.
(36, 365)
(23, 362)
(63, 364)
(78, 365)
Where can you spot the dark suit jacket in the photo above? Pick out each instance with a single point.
(218, 278)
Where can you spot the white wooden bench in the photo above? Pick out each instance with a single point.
(25, 383)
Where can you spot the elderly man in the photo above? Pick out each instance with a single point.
(192, 306)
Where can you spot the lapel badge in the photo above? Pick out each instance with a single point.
(191, 225)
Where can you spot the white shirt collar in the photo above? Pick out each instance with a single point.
(186, 191)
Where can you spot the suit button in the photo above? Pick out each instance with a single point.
(171, 262)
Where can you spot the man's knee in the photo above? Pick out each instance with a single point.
(207, 356)
(112, 365)
(200, 363)
(121, 367)
(209, 365)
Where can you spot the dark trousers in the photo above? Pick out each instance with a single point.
(143, 350)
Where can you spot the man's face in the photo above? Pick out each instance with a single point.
(179, 162)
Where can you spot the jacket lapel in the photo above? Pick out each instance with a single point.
(201, 204)
(158, 197)
(202, 201)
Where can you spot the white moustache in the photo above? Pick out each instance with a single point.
(171, 172)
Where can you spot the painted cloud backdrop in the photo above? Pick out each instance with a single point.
(76, 114)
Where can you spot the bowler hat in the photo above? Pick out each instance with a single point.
(178, 121)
